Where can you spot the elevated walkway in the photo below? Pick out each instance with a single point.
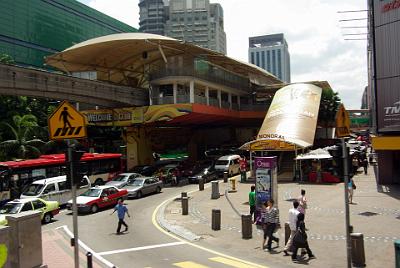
(20, 81)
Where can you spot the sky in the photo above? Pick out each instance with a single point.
(313, 29)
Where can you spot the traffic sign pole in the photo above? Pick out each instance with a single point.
(346, 200)
(74, 206)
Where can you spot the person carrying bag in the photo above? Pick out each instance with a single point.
(300, 238)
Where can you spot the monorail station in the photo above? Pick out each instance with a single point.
(198, 99)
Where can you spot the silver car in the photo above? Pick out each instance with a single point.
(143, 186)
(122, 179)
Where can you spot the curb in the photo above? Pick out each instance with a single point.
(175, 229)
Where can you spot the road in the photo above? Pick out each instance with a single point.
(145, 244)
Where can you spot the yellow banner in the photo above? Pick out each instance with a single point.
(342, 122)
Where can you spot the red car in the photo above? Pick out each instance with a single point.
(98, 197)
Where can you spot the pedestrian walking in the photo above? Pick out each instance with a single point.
(300, 238)
(293, 212)
(351, 186)
(252, 202)
(121, 210)
(365, 165)
(271, 223)
(302, 202)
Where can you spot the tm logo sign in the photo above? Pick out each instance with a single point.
(392, 110)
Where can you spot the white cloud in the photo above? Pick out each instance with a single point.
(312, 28)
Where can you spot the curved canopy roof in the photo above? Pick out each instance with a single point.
(129, 57)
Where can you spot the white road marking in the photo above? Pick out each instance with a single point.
(141, 248)
(84, 246)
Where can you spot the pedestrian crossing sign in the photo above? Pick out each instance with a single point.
(66, 123)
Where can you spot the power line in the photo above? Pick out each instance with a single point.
(353, 39)
(355, 19)
(350, 11)
(353, 27)
(355, 34)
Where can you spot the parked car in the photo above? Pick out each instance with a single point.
(98, 197)
(208, 173)
(122, 179)
(48, 208)
(145, 170)
(143, 186)
(54, 189)
(228, 163)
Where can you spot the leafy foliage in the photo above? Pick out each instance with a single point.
(330, 102)
(7, 59)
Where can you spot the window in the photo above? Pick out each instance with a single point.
(50, 188)
(62, 186)
(269, 61)
(27, 207)
(279, 65)
(53, 171)
(37, 204)
(112, 191)
(147, 181)
(273, 62)
(258, 58)
(252, 57)
(263, 59)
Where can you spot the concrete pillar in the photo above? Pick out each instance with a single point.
(175, 92)
(216, 219)
(138, 147)
(219, 98)
(215, 190)
(247, 227)
(191, 91)
(207, 93)
(26, 244)
(230, 100)
(5, 246)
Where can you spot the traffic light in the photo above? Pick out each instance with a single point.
(337, 161)
(74, 164)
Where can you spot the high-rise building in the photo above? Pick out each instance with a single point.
(153, 15)
(194, 21)
(271, 53)
(31, 30)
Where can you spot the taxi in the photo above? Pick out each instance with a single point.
(98, 197)
(48, 208)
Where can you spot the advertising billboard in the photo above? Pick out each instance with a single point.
(292, 116)
(387, 57)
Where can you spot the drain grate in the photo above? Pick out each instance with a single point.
(368, 213)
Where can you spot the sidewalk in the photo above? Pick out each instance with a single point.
(58, 253)
(325, 220)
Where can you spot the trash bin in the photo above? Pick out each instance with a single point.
(357, 249)
(243, 176)
(397, 252)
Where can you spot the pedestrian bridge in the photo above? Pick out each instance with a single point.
(20, 81)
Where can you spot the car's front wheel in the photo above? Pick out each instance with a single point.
(94, 208)
(158, 189)
(47, 218)
(139, 194)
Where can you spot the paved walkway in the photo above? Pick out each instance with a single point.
(57, 251)
(375, 213)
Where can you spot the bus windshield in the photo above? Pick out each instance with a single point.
(10, 208)
(33, 190)
(92, 193)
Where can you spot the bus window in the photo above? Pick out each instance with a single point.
(53, 171)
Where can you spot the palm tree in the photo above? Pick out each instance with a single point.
(24, 144)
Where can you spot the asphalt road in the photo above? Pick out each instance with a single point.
(145, 244)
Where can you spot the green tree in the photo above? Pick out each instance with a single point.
(330, 102)
(24, 144)
(7, 59)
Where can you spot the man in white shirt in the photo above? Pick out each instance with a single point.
(293, 212)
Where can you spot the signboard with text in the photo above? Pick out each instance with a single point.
(266, 180)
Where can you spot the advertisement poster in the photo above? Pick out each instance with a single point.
(266, 179)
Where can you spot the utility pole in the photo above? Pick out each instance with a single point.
(346, 200)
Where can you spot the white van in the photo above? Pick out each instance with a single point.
(228, 163)
(54, 189)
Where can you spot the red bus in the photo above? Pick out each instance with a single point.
(15, 176)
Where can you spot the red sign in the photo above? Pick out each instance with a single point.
(391, 6)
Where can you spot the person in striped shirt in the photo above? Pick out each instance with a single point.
(270, 223)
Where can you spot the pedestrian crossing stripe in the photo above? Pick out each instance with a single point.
(222, 260)
(189, 264)
(68, 131)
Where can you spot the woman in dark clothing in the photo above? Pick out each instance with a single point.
(300, 225)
